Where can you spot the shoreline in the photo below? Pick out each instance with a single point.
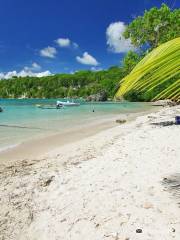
(43, 145)
(105, 186)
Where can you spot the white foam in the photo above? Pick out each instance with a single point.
(5, 148)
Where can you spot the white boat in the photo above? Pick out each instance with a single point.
(67, 103)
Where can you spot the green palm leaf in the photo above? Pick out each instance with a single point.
(157, 74)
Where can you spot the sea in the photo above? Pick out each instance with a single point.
(22, 120)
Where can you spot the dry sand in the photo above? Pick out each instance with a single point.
(105, 187)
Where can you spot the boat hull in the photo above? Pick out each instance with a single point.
(68, 104)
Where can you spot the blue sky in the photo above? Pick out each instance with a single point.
(65, 35)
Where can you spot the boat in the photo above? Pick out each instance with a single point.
(67, 103)
(47, 106)
(59, 105)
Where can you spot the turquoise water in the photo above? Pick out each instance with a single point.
(22, 120)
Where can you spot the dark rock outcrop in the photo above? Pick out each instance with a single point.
(165, 103)
(99, 97)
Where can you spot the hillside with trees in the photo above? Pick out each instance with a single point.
(79, 84)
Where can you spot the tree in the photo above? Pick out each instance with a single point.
(130, 61)
(155, 27)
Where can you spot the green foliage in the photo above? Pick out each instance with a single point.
(155, 27)
(157, 76)
(130, 61)
(79, 84)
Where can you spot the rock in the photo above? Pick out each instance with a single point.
(99, 97)
(138, 230)
(48, 181)
(63, 220)
(97, 225)
(121, 121)
(165, 103)
(147, 205)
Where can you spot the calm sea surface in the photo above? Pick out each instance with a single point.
(22, 119)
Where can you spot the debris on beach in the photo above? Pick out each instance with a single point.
(121, 121)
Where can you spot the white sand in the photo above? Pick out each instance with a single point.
(104, 187)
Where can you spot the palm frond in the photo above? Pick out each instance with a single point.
(158, 73)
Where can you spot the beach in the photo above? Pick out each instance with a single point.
(121, 183)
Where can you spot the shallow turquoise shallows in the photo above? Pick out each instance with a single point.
(22, 119)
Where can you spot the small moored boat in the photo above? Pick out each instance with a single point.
(67, 103)
(46, 106)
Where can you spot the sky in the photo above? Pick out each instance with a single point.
(42, 37)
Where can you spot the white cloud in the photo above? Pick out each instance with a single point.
(49, 52)
(63, 42)
(115, 39)
(96, 69)
(24, 73)
(87, 59)
(34, 67)
(8, 75)
(43, 74)
(66, 42)
(75, 45)
(1, 75)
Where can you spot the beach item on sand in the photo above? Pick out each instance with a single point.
(177, 118)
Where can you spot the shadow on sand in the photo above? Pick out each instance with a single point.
(172, 184)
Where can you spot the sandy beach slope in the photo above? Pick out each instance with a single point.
(122, 183)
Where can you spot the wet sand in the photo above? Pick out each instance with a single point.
(36, 148)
